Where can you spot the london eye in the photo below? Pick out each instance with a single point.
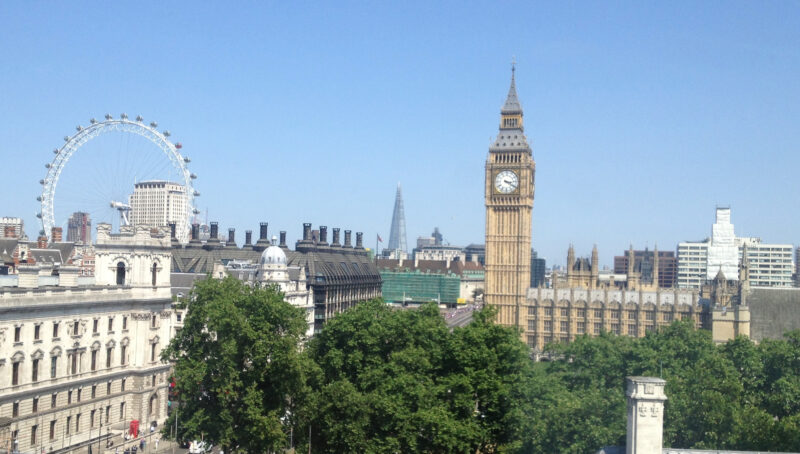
(115, 154)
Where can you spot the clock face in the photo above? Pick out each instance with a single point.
(506, 182)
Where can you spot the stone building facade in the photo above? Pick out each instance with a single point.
(560, 315)
(79, 363)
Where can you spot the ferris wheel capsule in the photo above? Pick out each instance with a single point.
(41, 182)
(166, 133)
(186, 159)
(92, 121)
(47, 166)
(193, 176)
(179, 146)
(55, 150)
(79, 128)
(108, 116)
(124, 116)
(39, 199)
(39, 215)
(196, 194)
(139, 118)
(153, 124)
(66, 138)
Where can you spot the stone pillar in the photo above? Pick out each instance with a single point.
(68, 276)
(645, 415)
(28, 276)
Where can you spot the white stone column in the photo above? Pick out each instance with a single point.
(645, 415)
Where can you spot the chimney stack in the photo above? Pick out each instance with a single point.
(57, 235)
(306, 231)
(231, 238)
(9, 231)
(347, 238)
(68, 276)
(28, 276)
(359, 240)
(335, 242)
(41, 242)
(195, 233)
(283, 239)
(214, 231)
(248, 237)
(323, 235)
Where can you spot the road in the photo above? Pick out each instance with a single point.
(460, 317)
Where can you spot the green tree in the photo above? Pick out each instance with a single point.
(238, 369)
(400, 381)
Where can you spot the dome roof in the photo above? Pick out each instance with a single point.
(273, 255)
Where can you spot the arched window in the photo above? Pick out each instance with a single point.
(153, 406)
(155, 273)
(120, 273)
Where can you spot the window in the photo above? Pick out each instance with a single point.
(632, 330)
(667, 316)
(108, 356)
(69, 396)
(650, 315)
(121, 411)
(564, 327)
(69, 421)
(120, 273)
(631, 315)
(52, 430)
(124, 322)
(94, 325)
(78, 422)
(123, 384)
(615, 328)
(75, 326)
(548, 311)
(74, 361)
(15, 409)
(597, 327)
(153, 351)
(581, 313)
(598, 313)
(581, 327)
(531, 325)
(36, 331)
(91, 418)
(615, 315)
(35, 405)
(53, 366)
(649, 328)
(15, 373)
(55, 329)
(35, 370)
(108, 389)
(94, 391)
(53, 400)
(108, 413)
(153, 321)
(94, 359)
(110, 324)
(33, 433)
(564, 312)
(17, 333)
(548, 326)
(153, 381)
(531, 311)
(531, 341)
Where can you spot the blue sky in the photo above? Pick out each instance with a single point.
(642, 116)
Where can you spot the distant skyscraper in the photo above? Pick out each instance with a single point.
(397, 235)
(79, 228)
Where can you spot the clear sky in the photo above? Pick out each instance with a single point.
(643, 116)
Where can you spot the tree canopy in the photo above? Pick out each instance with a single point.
(384, 380)
(238, 366)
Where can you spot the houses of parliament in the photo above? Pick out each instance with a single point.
(584, 305)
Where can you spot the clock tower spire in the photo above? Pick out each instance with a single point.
(509, 187)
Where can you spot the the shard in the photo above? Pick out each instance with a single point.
(397, 234)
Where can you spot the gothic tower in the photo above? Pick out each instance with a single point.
(509, 202)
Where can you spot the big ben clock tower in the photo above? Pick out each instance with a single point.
(509, 202)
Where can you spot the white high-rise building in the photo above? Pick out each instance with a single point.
(770, 264)
(723, 255)
(159, 203)
(8, 224)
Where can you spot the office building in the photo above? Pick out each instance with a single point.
(158, 204)
(79, 228)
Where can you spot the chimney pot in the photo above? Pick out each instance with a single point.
(248, 237)
(306, 231)
(347, 238)
(323, 234)
(56, 234)
(214, 230)
(262, 233)
(283, 238)
(231, 237)
(335, 242)
(359, 240)
(195, 232)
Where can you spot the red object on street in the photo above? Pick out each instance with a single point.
(134, 428)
